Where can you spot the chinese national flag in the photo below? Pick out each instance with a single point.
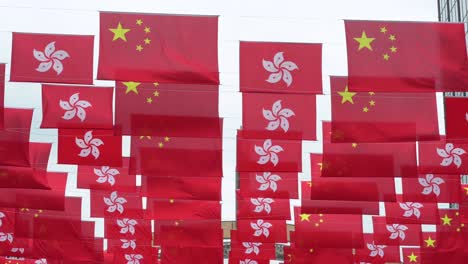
(456, 117)
(412, 256)
(297, 255)
(443, 157)
(275, 67)
(280, 115)
(14, 138)
(266, 184)
(197, 188)
(76, 107)
(163, 48)
(188, 233)
(52, 58)
(339, 207)
(381, 117)
(89, 147)
(188, 255)
(435, 188)
(406, 56)
(167, 209)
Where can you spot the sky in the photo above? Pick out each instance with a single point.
(309, 21)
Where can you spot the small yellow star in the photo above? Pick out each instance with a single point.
(317, 224)
(131, 87)
(413, 257)
(372, 103)
(309, 183)
(139, 22)
(392, 38)
(466, 190)
(147, 41)
(139, 48)
(147, 30)
(386, 56)
(446, 220)
(393, 49)
(354, 145)
(147, 137)
(311, 250)
(160, 144)
(149, 100)
(171, 200)
(156, 84)
(305, 217)
(119, 32)
(166, 139)
(383, 30)
(430, 242)
(371, 93)
(365, 109)
(364, 41)
(347, 96)
(156, 93)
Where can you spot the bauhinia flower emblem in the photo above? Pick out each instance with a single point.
(89, 145)
(279, 69)
(127, 225)
(19, 250)
(50, 58)
(397, 231)
(133, 258)
(411, 209)
(451, 155)
(261, 228)
(431, 184)
(376, 250)
(106, 174)
(267, 181)
(74, 107)
(6, 237)
(248, 261)
(115, 203)
(278, 117)
(2, 215)
(252, 247)
(128, 243)
(268, 153)
(262, 204)
(40, 261)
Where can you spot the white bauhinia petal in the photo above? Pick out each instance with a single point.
(263, 159)
(267, 144)
(44, 66)
(74, 98)
(404, 206)
(112, 208)
(120, 208)
(266, 232)
(402, 235)
(457, 160)
(95, 152)
(111, 180)
(436, 189)
(269, 66)
(448, 147)
(60, 54)
(131, 229)
(273, 186)
(390, 228)
(124, 230)
(254, 201)
(88, 136)
(254, 226)
(394, 235)
(417, 213)
(276, 149)
(276, 107)
(58, 66)
(284, 124)
(274, 177)
(289, 65)
(264, 187)
(125, 244)
(408, 213)
(267, 225)
(427, 190)
(423, 182)
(402, 227)
(447, 161)
(274, 159)
(381, 252)
(258, 232)
(65, 105)
(69, 114)
(258, 209)
(417, 205)
(108, 201)
(80, 143)
(101, 179)
(274, 77)
(120, 223)
(121, 200)
(113, 196)
(83, 104)
(278, 59)
(287, 77)
(268, 115)
(286, 112)
(273, 125)
(371, 246)
(85, 152)
(438, 180)
(249, 250)
(99, 172)
(260, 178)
(39, 55)
(267, 208)
(113, 172)
(132, 222)
(442, 153)
(260, 151)
(96, 142)
(49, 49)
(81, 113)
(373, 253)
(429, 177)
(458, 151)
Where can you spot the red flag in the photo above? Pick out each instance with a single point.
(443, 157)
(167, 209)
(259, 230)
(339, 207)
(14, 138)
(296, 255)
(89, 147)
(166, 48)
(2, 92)
(412, 213)
(395, 234)
(280, 67)
(52, 58)
(284, 115)
(106, 178)
(266, 184)
(406, 56)
(456, 117)
(381, 117)
(255, 250)
(265, 208)
(76, 107)
(376, 253)
(412, 256)
(114, 204)
(128, 228)
(195, 254)
(188, 233)
(22, 177)
(432, 188)
(196, 188)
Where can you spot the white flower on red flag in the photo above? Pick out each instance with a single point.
(6, 237)
(89, 145)
(50, 58)
(262, 204)
(133, 258)
(397, 230)
(431, 184)
(128, 243)
(1, 216)
(376, 250)
(451, 155)
(252, 247)
(115, 203)
(277, 117)
(268, 152)
(127, 225)
(261, 228)
(279, 69)
(74, 107)
(106, 174)
(20, 250)
(40, 261)
(267, 181)
(248, 261)
(411, 209)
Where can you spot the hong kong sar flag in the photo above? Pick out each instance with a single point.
(52, 58)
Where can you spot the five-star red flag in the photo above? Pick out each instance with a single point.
(167, 209)
(52, 58)
(163, 48)
(197, 188)
(406, 56)
(456, 117)
(381, 117)
(78, 107)
(280, 67)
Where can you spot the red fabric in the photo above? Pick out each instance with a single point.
(339, 207)
(456, 117)
(167, 209)
(106, 204)
(136, 102)
(181, 48)
(262, 207)
(280, 115)
(259, 230)
(89, 147)
(432, 188)
(301, 61)
(191, 255)
(52, 58)
(142, 254)
(443, 157)
(188, 233)
(316, 164)
(14, 138)
(412, 213)
(22, 177)
(197, 188)
(392, 234)
(2, 92)
(428, 57)
(294, 255)
(256, 250)
(412, 256)
(129, 229)
(381, 117)
(371, 253)
(266, 184)
(76, 107)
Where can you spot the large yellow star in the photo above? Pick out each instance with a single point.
(446, 220)
(305, 217)
(119, 32)
(430, 242)
(346, 96)
(413, 257)
(364, 41)
(131, 87)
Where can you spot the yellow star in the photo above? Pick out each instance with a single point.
(131, 87)
(365, 109)
(147, 30)
(139, 48)
(446, 220)
(466, 189)
(309, 183)
(383, 30)
(430, 242)
(413, 257)
(156, 84)
(156, 93)
(149, 100)
(147, 41)
(160, 145)
(166, 139)
(142, 137)
(364, 41)
(320, 165)
(119, 32)
(305, 217)
(346, 96)
(386, 56)
(139, 22)
(371, 93)
(392, 38)
(311, 250)
(393, 49)
(372, 103)
(171, 200)
(354, 145)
